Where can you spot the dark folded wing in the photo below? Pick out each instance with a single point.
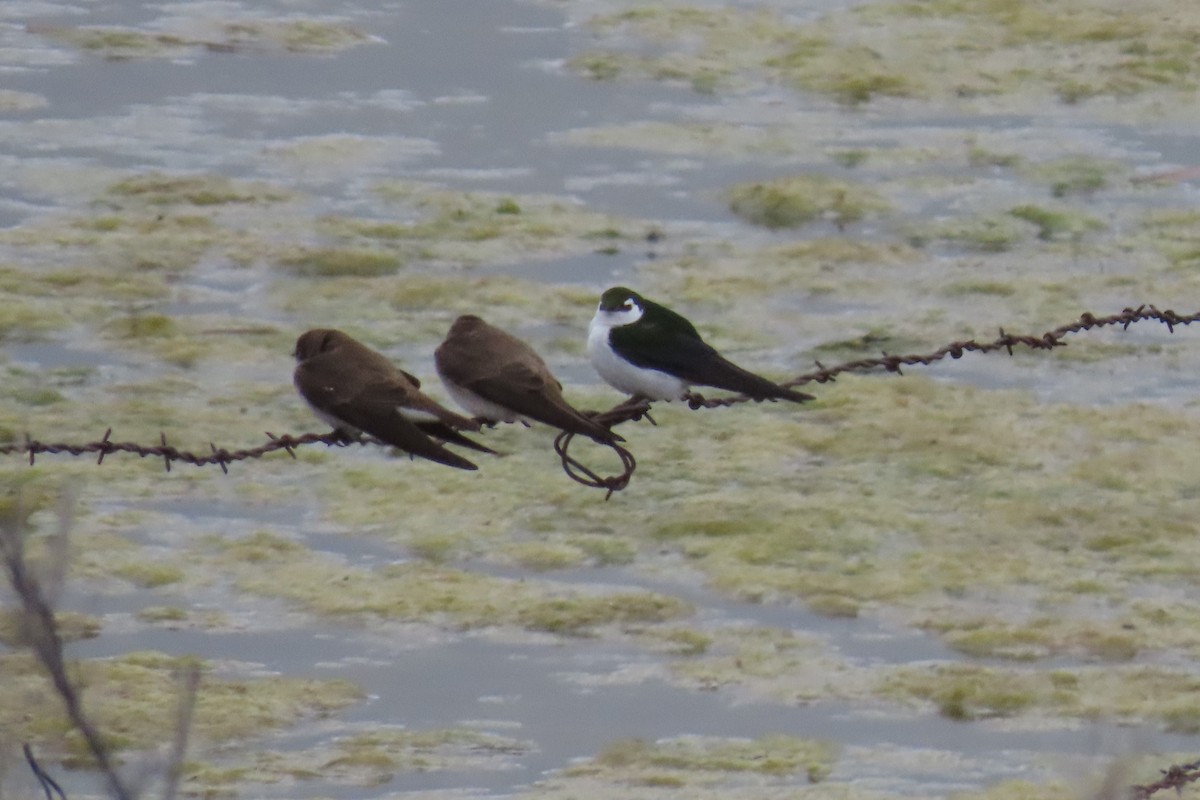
(444, 433)
(538, 396)
(684, 354)
(379, 417)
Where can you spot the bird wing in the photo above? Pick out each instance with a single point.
(378, 415)
(536, 394)
(504, 370)
(678, 350)
(444, 433)
(368, 401)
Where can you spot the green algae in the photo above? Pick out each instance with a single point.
(546, 556)
(688, 138)
(117, 43)
(576, 616)
(1129, 694)
(678, 641)
(986, 234)
(72, 626)
(361, 759)
(991, 49)
(1055, 224)
(292, 36)
(445, 226)
(157, 189)
(1040, 637)
(148, 575)
(774, 665)
(134, 700)
(901, 445)
(300, 36)
(1075, 175)
(267, 564)
(1026, 790)
(979, 156)
(794, 201)
(30, 396)
(504, 297)
(750, 283)
(375, 757)
(701, 760)
(168, 614)
(720, 292)
(332, 262)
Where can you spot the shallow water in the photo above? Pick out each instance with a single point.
(474, 96)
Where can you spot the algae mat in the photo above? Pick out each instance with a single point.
(898, 589)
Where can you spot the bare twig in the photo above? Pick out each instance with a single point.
(183, 727)
(49, 785)
(41, 629)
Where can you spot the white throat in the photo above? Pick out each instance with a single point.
(619, 373)
(607, 320)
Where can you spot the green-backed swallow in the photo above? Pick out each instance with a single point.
(499, 378)
(357, 390)
(647, 350)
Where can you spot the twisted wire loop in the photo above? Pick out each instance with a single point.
(636, 408)
(580, 473)
(630, 410)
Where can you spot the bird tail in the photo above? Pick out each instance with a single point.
(444, 433)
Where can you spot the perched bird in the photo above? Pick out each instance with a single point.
(357, 390)
(499, 378)
(647, 350)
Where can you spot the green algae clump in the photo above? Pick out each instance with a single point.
(954, 50)
(702, 760)
(162, 189)
(134, 700)
(116, 43)
(348, 261)
(795, 201)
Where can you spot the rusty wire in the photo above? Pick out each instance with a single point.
(627, 411)
(1174, 777)
(168, 453)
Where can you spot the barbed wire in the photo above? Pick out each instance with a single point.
(630, 410)
(168, 453)
(1174, 777)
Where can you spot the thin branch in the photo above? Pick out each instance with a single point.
(49, 785)
(183, 727)
(42, 634)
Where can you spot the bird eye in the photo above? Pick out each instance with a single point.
(627, 305)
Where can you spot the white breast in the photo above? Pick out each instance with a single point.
(478, 406)
(623, 376)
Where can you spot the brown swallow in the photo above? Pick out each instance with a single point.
(499, 378)
(357, 390)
